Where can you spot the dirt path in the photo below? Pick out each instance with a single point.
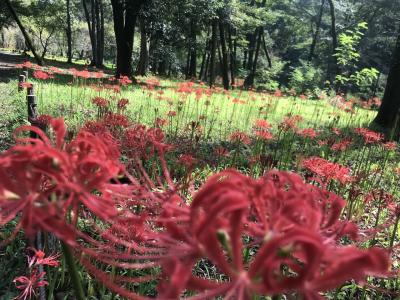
(8, 62)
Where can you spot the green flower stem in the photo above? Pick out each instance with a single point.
(76, 280)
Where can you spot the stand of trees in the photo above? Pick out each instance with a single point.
(263, 44)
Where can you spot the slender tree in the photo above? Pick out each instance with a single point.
(214, 29)
(317, 31)
(28, 40)
(335, 43)
(224, 52)
(68, 31)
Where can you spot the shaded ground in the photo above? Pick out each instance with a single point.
(8, 61)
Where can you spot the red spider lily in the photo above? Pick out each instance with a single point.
(308, 132)
(141, 142)
(113, 121)
(327, 170)
(263, 124)
(27, 64)
(303, 97)
(41, 75)
(187, 160)
(278, 93)
(124, 80)
(230, 205)
(122, 103)
(42, 182)
(341, 146)
(336, 131)
(390, 146)
(171, 113)
(185, 87)
(370, 137)
(159, 122)
(100, 102)
(240, 137)
(83, 74)
(40, 259)
(28, 285)
(290, 122)
(98, 74)
(263, 135)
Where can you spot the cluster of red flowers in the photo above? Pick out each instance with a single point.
(267, 236)
(42, 75)
(327, 170)
(35, 279)
(240, 137)
(290, 122)
(370, 137)
(100, 102)
(308, 133)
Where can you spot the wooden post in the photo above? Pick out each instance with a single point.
(25, 72)
(21, 80)
(32, 112)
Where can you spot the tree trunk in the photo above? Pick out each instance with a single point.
(28, 41)
(89, 21)
(213, 51)
(249, 81)
(335, 69)
(224, 61)
(124, 27)
(191, 70)
(317, 30)
(204, 59)
(99, 20)
(144, 53)
(68, 32)
(266, 50)
(390, 108)
(232, 55)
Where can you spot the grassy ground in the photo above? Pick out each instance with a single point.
(220, 114)
(219, 130)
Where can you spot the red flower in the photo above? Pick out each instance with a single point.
(240, 137)
(171, 113)
(263, 124)
(28, 285)
(100, 102)
(187, 160)
(124, 80)
(290, 122)
(370, 137)
(41, 181)
(263, 135)
(40, 259)
(292, 226)
(327, 170)
(390, 146)
(122, 103)
(278, 93)
(308, 132)
(341, 146)
(41, 75)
